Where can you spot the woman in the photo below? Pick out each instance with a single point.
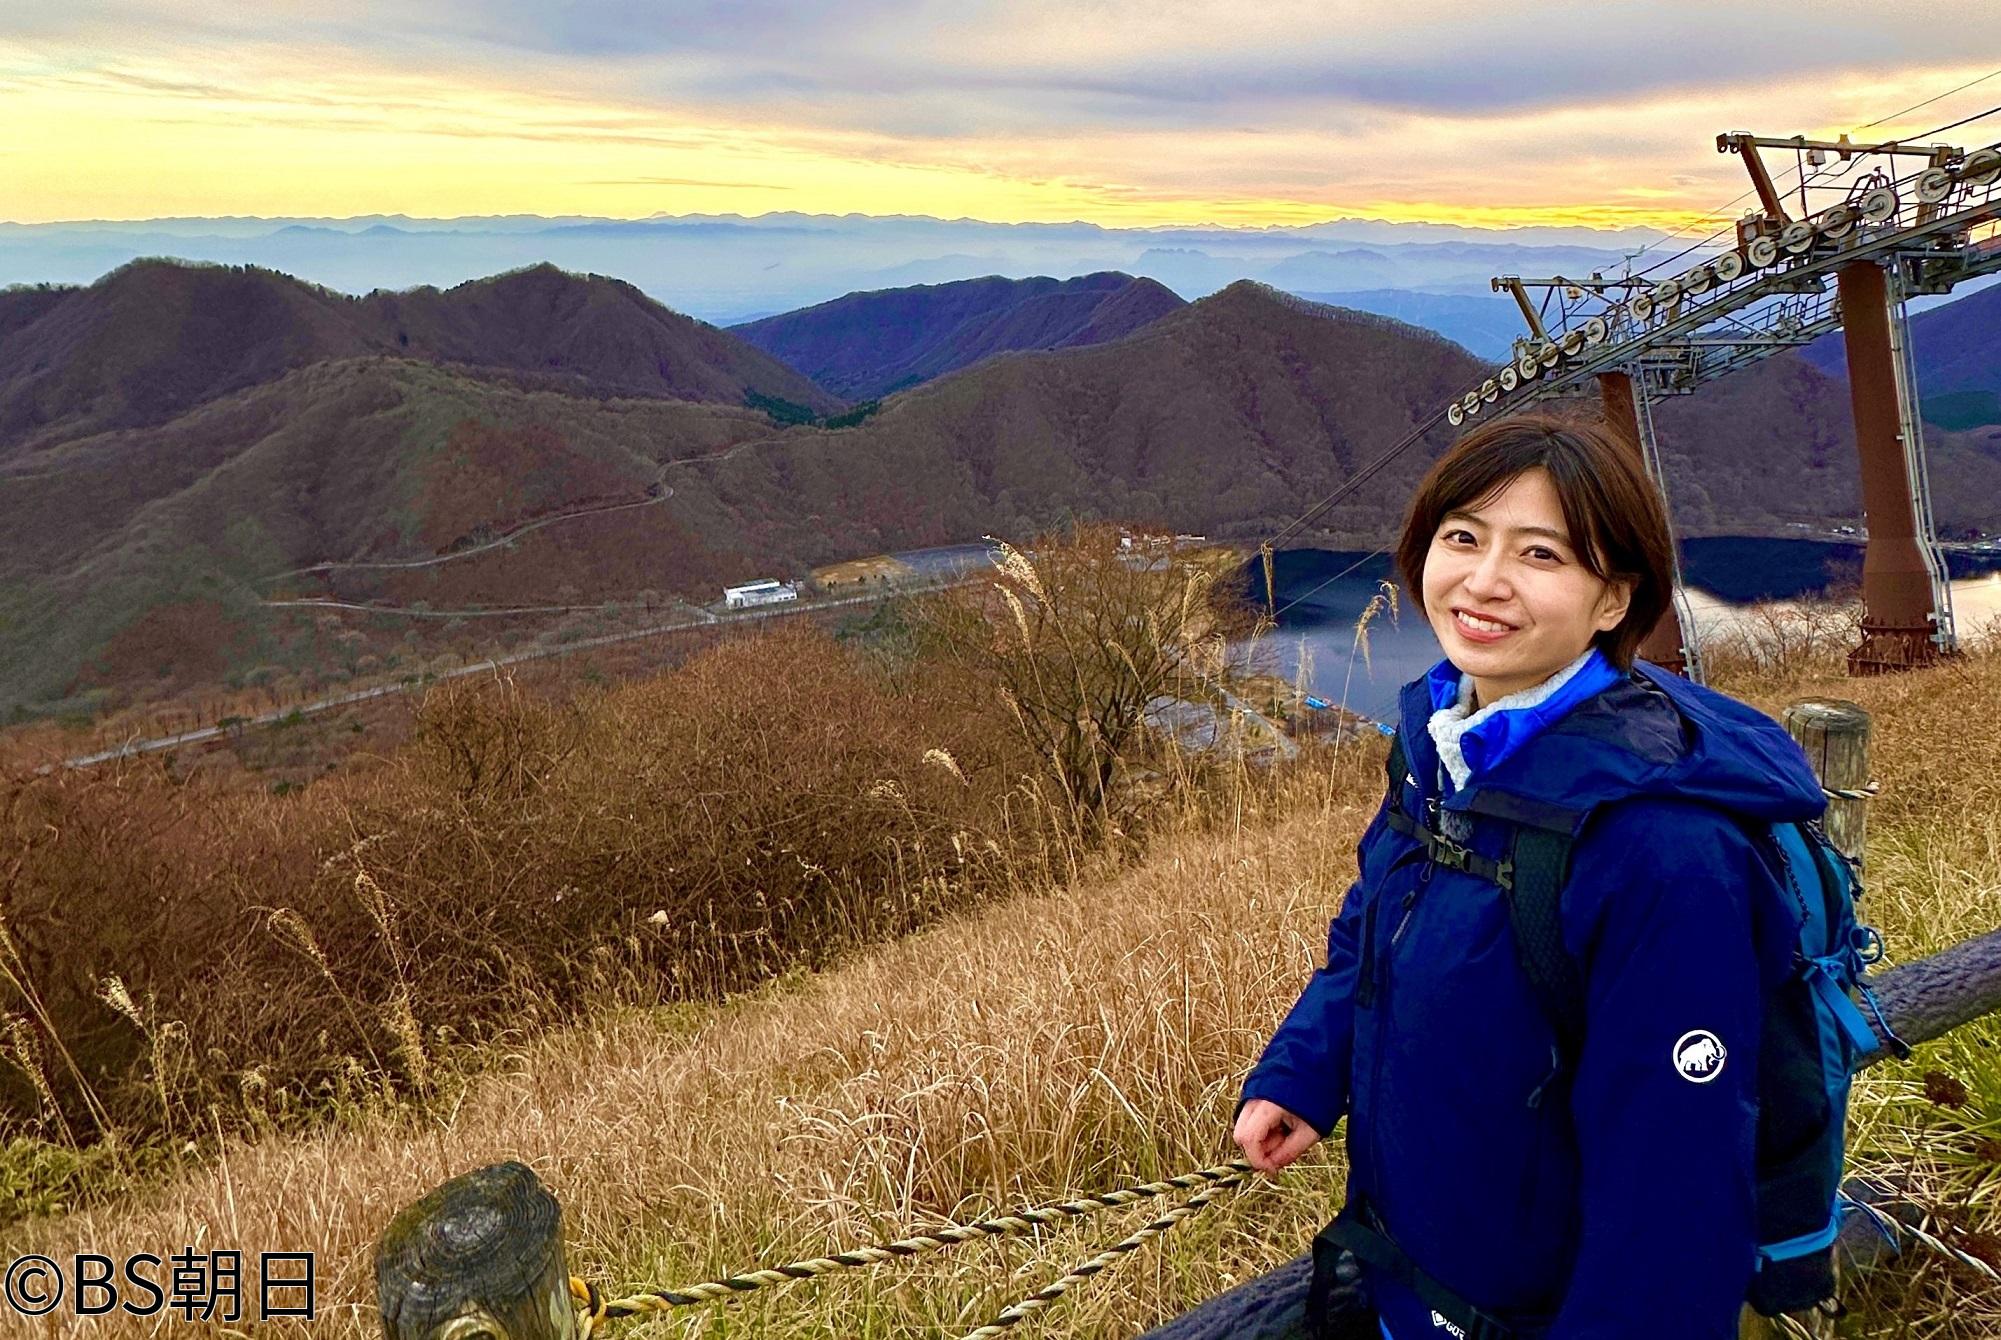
(1585, 1192)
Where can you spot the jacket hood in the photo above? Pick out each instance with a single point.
(1649, 733)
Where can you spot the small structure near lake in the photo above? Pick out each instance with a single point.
(767, 592)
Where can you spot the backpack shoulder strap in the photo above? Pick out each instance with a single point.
(1531, 880)
(1396, 767)
(1540, 859)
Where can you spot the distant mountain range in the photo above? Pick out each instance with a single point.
(866, 345)
(173, 438)
(1957, 349)
(728, 269)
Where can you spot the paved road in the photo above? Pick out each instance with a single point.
(509, 538)
(701, 619)
(484, 611)
(948, 560)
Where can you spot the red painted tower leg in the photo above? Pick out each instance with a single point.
(1662, 645)
(1896, 581)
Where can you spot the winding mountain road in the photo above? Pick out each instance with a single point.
(403, 564)
(415, 682)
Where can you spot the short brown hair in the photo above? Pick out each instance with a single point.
(1611, 508)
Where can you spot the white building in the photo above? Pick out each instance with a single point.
(767, 592)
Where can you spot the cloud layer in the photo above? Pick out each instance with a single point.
(1164, 111)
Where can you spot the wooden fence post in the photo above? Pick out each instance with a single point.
(479, 1258)
(1835, 735)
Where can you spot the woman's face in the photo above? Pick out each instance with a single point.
(1505, 592)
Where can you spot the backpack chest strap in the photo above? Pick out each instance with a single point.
(1531, 876)
(1452, 854)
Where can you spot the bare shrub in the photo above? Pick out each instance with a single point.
(174, 958)
(1073, 639)
(489, 740)
(1792, 640)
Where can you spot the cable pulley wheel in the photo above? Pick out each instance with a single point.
(1981, 167)
(1796, 237)
(1837, 222)
(1879, 205)
(1696, 280)
(1727, 267)
(1934, 185)
(1762, 252)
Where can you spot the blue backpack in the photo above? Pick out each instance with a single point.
(1814, 1032)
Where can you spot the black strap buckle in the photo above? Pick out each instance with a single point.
(1450, 852)
(1358, 1230)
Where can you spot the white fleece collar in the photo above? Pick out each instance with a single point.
(1447, 724)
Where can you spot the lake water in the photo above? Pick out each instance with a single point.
(1321, 594)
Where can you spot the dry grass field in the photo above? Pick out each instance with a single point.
(1079, 1034)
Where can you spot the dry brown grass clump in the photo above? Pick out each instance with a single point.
(178, 959)
(1071, 1040)
(1759, 648)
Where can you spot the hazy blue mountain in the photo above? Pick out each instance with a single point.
(1485, 324)
(1957, 347)
(866, 345)
(1335, 270)
(727, 268)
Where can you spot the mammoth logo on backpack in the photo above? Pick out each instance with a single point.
(1813, 1033)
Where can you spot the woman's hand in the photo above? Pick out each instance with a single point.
(1270, 1136)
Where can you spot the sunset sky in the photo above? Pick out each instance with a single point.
(1121, 112)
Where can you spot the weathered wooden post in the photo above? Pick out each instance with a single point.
(1835, 735)
(479, 1258)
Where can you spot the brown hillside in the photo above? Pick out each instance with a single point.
(1233, 411)
(357, 459)
(124, 553)
(156, 338)
(1775, 443)
(604, 330)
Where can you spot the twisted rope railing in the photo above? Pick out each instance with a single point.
(595, 1309)
(1050, 1293)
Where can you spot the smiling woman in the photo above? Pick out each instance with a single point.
(1549, 1063)
(1534, 540)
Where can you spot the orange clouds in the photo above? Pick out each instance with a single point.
(264, 128)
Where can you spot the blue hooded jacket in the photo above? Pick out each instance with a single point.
(1617, 1205)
